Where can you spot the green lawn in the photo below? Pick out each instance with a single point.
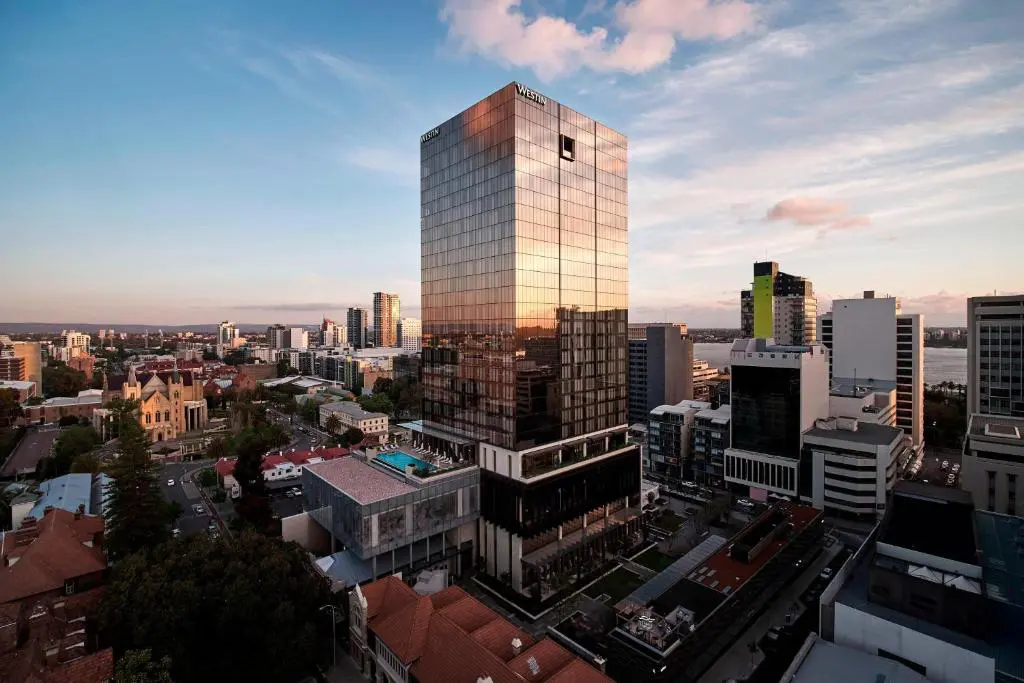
(652, 559)
(617, 585)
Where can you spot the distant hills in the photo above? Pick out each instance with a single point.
(93, 328)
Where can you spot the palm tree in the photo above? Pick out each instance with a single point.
(332, 424)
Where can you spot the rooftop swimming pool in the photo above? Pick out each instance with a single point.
(399, 460)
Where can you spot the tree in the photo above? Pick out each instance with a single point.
(207, 478)
(97, 381)
(86, 462)
(137, 518)
(254, 506)
(382, 385)
(282, 367)
(353, 435)
(67, 421)
(310, 411)
(137, 666)
(10, 409)
(218, 448)
(256, 591)
(72, 442)
(60, 380)
(209, 355)
(332, 424)
(377, 403)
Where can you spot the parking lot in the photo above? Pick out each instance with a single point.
(937, 466)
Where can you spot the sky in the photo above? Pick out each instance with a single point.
(187, 162)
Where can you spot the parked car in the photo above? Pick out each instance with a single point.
(170, 482)
(945, 465)
(956, 467)
(199, 509)
(743, 502)
(176, 532)
(826, 573)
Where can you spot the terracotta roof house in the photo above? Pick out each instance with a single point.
(51, 585)
(451, 637)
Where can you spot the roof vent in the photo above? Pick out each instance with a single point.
(517, 646)
(484, 679)
(534, 666)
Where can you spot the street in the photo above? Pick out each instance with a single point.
(186, 493)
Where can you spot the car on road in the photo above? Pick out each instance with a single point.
(170, 482)
(826, 573)
(199, 509)
(744, 503)
(176, 532)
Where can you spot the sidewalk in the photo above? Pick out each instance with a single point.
(345, 672)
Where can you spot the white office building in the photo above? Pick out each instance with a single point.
(777, 394)
(410, 335)
(995, 355)
(298, 338)
(875, 346)
(854, 466)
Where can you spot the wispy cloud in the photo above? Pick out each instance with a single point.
(643, 33)
(398, 164)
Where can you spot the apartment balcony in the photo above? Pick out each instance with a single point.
(592, 532)
(567, 455)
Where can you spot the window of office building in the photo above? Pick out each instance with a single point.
(766, 410)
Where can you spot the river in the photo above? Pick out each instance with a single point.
(940, 365)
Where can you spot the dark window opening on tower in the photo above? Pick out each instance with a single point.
(568, 147)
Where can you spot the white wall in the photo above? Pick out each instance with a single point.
(944, 662)
(864, 338)
(814, 387)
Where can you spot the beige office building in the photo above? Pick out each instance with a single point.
(993, 463)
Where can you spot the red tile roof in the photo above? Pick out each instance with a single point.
(271, 461)
(451, 637)
(301, 457)
(49, 553)
(95, 668)
(225, 467)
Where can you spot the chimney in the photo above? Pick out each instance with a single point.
(517, 647)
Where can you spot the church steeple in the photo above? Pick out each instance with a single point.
(175, 375)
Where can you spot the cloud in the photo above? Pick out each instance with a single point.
(811, 212)
(646, 32)
(300, 307)
(396, 163)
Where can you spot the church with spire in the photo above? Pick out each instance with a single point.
(170, 403)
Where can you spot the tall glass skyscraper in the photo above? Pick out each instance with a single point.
(524, 272)
(524, 307)
(386, 314)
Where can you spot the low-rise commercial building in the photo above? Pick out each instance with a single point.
(853, 466)
(23, 391)
(992, 467)
(710, 440)
(669, 442)
(939, 587)
(674, 626)
(52, 409)
(389, 516)
(349, 414)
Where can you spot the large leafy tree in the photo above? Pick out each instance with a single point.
(138, 517)
(60, 380)
(10, 409)
(138, 666)
(332, 424)
(259, 592)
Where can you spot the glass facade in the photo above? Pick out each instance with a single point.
(524, 272)
(766, 410)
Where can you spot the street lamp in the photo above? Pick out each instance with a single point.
(334, 635)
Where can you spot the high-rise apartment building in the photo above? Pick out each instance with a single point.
(12, 369)
(524, 299)
(298, 338)
(660, 368)
(410, 335)
(31, 353)
(277, 337)
(386, 314)
(875, 345)
(332, 334)
(357, 321)
(779, 306)
(70, 339)
(995, 355)
(227, 332)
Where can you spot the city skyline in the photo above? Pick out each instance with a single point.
(892, 175)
